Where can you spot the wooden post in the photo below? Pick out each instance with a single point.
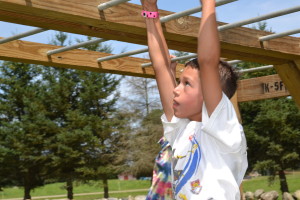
(290, 74)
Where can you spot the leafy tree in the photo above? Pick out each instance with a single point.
(146, 140)
(143, 96)
(145, 128)
(180, 54)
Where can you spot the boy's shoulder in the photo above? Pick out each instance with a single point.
(224, 112)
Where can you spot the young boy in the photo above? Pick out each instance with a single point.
(207, 143)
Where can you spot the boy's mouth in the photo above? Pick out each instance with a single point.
(175, 104)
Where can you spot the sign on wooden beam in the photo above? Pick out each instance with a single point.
(261, 88)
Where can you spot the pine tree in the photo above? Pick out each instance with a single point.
(25, 129)
(271, 127)
(82, 105)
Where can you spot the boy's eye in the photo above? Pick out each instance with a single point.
(187, 83)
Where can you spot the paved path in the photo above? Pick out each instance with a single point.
(81, 194)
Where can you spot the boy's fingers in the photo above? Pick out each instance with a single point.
(172, 56)
(174, 63)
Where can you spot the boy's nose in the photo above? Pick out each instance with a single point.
(176, 91)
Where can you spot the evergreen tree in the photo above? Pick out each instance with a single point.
(25, 130)
(82, 105)
(274, 130)
(56, 124)
(270, 128)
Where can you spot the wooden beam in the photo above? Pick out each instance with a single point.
(290, 74)
(234, 101)
(35, 53)
(261, 88)
(124, 23)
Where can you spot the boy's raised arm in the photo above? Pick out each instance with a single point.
(209, 56)
(160, 57)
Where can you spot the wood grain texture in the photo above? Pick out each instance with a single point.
(124, 23)
(261, 88)
(36, 53)
(290, 74)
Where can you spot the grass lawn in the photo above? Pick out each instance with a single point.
(261, 182)
(58, 189)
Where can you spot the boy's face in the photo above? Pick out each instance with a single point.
(187, 102)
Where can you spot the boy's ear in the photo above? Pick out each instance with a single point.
(234, 101)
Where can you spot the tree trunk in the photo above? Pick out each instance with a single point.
(27, 192)
(283, 183)
(27, 186)
(70, 189)
(105, 186)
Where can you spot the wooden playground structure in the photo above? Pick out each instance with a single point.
(120, 20)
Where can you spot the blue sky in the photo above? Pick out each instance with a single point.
(232, 12)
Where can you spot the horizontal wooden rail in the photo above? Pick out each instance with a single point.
(123, 22)
(36, 53)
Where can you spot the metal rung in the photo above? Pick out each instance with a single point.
(256, 69)
(190, 11)
(75, 46)
(234, 62)
(194, 55)
(162, 19)
(22, 35)
(111, 3)
(129, 53)
(278, 35)
(173, 59)
(260, 18)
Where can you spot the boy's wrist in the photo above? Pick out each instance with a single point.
(150, 10)
(149, 14)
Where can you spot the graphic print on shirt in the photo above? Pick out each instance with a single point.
(182, 197)
(196, 187)
(183, 176)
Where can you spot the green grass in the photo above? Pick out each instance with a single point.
(58, 189)
(94, 197)
(253, 184)
(117, 185)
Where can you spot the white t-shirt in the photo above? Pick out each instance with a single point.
(209, 157)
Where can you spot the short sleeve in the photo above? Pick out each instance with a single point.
(223, 125)
(173, 128)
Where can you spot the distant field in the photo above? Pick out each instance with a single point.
(115, 186)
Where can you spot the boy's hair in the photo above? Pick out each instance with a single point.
(228, 76)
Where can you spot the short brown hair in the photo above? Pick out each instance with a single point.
(228, 76)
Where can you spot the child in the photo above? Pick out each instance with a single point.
(202, 136)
